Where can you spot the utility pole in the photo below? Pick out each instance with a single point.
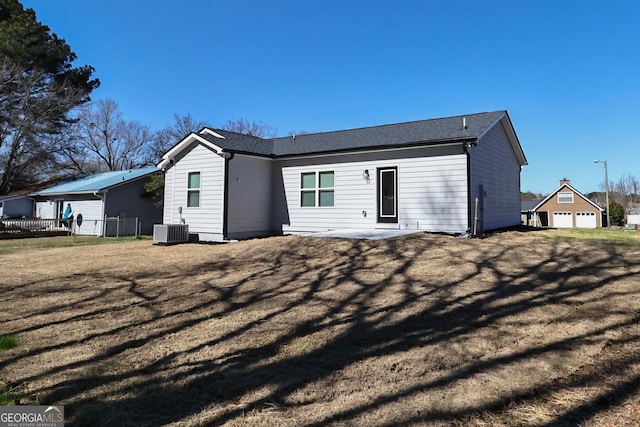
(606, 186)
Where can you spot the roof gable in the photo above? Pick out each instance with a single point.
(566, 186)
(208, 140)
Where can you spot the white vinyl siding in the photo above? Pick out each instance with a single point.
(92, 219)
(250, 196)
(46, 210)
(207, 217)
(91, 210)
(432, 191)
(495, 171)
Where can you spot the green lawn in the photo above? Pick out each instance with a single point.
(597, 235)
(8, 246)
(7, 397)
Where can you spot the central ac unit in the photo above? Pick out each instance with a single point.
(165, 234)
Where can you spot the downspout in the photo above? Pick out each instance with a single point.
(225, 207)
(173, 192)
(465, 148)
(102, 209)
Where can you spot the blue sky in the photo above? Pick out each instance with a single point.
(568, 71)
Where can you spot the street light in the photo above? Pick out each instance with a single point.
(606, 185)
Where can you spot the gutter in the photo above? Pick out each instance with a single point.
(376, 149)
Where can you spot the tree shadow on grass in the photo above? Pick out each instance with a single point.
(287, 328)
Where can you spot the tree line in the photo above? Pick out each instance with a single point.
(50, 127)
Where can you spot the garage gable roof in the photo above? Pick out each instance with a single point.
(566, 186)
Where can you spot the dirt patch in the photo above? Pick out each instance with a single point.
(418, 330)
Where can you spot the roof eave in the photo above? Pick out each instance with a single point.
(387, 147)
(182, 144)
(66, 193)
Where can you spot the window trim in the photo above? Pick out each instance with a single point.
(565, 194)
(194, 189)
(317, 189)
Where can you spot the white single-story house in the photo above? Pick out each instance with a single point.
(116, 194)
(455, 175)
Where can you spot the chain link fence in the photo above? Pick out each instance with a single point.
(107, 227)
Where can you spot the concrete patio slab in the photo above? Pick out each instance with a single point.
(362, 234)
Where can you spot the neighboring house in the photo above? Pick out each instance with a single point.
(633, 216)
(16, 205)
(456, 175)
(110, 194)
(566, 207)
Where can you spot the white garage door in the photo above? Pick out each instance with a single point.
(585, 219)
(562, 220)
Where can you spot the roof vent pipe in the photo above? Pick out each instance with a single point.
(464, 123)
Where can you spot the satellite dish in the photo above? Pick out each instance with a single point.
(79, 220)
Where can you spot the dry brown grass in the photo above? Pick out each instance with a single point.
(420, 330)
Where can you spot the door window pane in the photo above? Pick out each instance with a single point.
(387, 193)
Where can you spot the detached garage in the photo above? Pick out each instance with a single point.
(567, 208)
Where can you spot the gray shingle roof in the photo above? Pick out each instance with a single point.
(393, 135)
(433, 131)
(240, 143)
(527, 205)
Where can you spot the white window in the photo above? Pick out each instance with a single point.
(317, 189)
(193, 189)
(565, 197)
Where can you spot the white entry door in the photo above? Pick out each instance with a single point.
(563, 220)
(586, 220)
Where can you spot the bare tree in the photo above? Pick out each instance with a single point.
(626, 191)
(104, 141)
(34, 108)
(166, 138)
(250, 128)
(163, 141)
